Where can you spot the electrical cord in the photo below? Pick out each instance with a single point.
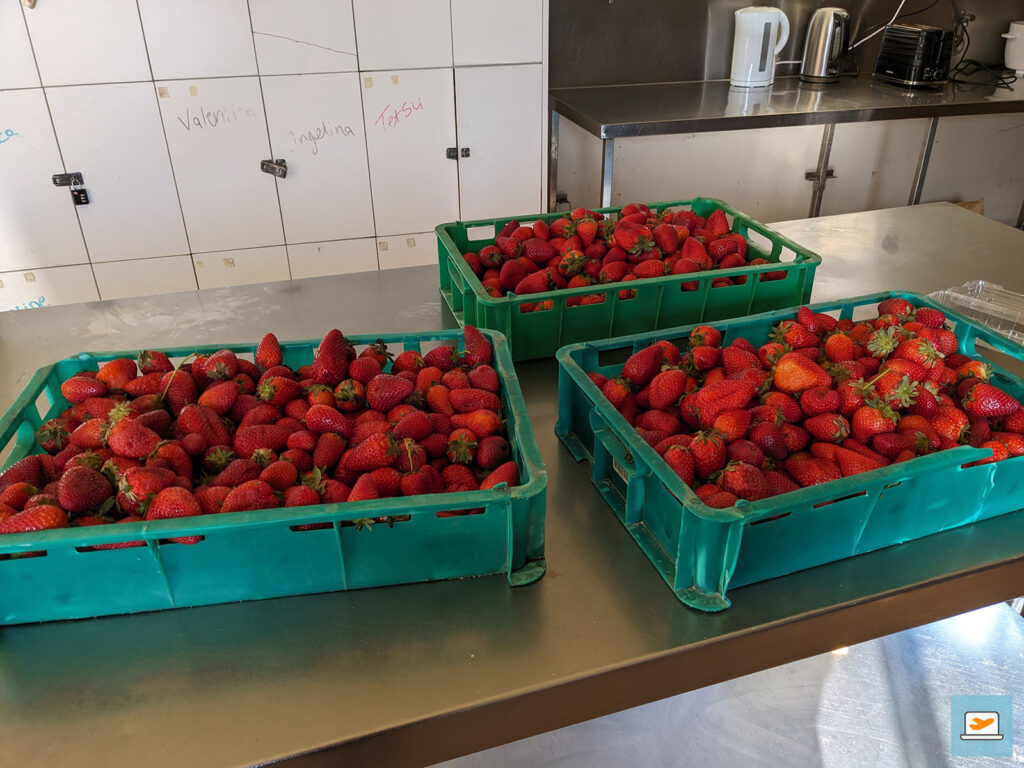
(894, 17)
(874, 30)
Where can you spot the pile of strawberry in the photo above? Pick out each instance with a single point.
(142, 440)
(820, 400)
(587, 248)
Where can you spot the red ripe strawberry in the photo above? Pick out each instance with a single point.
(492, 451)
(268, 352)
(649, 268)
(920, 351)
(586, 230)
(456, 379)
(839, 347)
(144, 385)
(385, 391)
(769, 437)
(705, 335)
(735, 359)
(507, 473)
(950, 422)
(251, 495)
(1013, 441)
(330, 363)
(721, 396)
(616, 391)
(717, 223)
(261, 414)
(732, 424)
(745, 451)
(999, 453)
(362, 370)
(851, 463)
(129, 438)
(794, 373)
(53, 435)
(415, 424)
(477, 349)
(719, 249)
(812, 471)
(219, 397)
(829, 427)
(350, 395)
(79, 388)
(365, 489)
(462, 446)
(681, 462)
(665, 389)
(17, 494)
(428, 377)
(439, 400)
(481, 423)
(892, 444)
(666, 238)
(895, 306)
(541, 230)
(139, 485)
(509, 247)
(643, 365)
(202, 421)
(376, 451)
(329, 449)
(237, 471)
(485, 377)
(709, 453)
(176, 458)
(40, 518)
(153, 361)
(280, 475)
(248, 440)
(469, 400)
(301, 496)
(221, 365)
(743, 481)
(175, 502)
(323, 418)
(81, 489)
(659, 421)
(868, 421)
(694, 250)
(929, 317)
(458, 477)
(443, 357)
(117, 373)
(779, 483)
(411, 455)
(278, 390)
(819, 400)
(986, 400)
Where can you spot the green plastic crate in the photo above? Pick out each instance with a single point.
(253, 555)
(700, 551)
(660, 302)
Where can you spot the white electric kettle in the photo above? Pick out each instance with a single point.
(1014, 57)
(761, 32)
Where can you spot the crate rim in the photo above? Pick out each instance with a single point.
(805, 257)
(753, 511)
(152, 530)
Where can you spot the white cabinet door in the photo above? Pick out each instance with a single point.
(333, 258)
(319, 37)
(38, 226)
(397, 34)
(316, 124)
(113, 135)
(47, 287)
(95, 42)
(503, 173)
(197, 38)
(253, 265)
(217, 135)
(415, 250)
(145, 277)
(497, 31)
(410, 122)
(17, 65)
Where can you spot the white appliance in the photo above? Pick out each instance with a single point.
(761, 32)
(1014, 56)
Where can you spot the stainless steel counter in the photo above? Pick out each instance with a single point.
(621, 111)
(884, 703)
(416, 674)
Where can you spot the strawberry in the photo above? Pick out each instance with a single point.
(507, 473)
(329, 448)
(117, 373)
(649, 268)
(350, 395)
(249, 439)
(895, 306)
(812, 471)
(481, 423)
(950, 422)
(129, 438)
(658, 421)
(439, 400)
(139, 485)
(202, 421)
(770, 438)
(987, 401)
(462, 446)
(709, 453)
(386, 391)
(39, 518)
(268, 352)
(78, 389)
(415, 424)
(868, 421)
(54, 434)
(17, 494)
(219, 397)
(323, 418)
(280, 475)
(176, 458)
(456, 379)
(616, 391)
(778, 483)
(153, 361)
(330, 363)
(1013, 441)
(743, 481)
(721, 396)
(458, 477)
(277, 390)
(264, 413)
(485, 377)
(477, 348)
(411, 455)
(376, 451)
(144, 385)
(839, 348)
(851, 463)
(892, 444)
(666, 388)
(828, 427)
(999, 453)
(705, 335)
(819, 400)
(717, 223)
(469, 400)
(81, 489)
(301, 496)
(794, 373)
(251, 495)
(732, 424)
(237, 472)
(175, 502)
(492, 451)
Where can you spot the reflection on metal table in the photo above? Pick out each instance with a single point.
(416, 674)
(623, 111)
(885, 702)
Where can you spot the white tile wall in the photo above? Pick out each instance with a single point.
(397, 34)
(99, 41)
(252, 265)
(333, 258)
(414, 250)
(145, 277)
(113, 135)
(497, 31)
(197, 38)
(320, 37)
(46, 287)
(316, 124)
(217, 134)
(17, 67)
(409, 125)
(491, 186)
(38, 226)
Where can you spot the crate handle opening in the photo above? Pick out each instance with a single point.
(460, 512)
(841, 498)
(771, 519)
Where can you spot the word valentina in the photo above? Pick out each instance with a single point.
(214, 118)
(321, 132)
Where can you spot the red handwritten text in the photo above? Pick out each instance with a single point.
(392, 116)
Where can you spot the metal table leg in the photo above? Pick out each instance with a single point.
(553, 164)
(1020, 217)
(922, 163)
(606, 172)
(822, 174)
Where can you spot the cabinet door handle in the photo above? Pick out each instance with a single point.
(465, 152)
(452, 153)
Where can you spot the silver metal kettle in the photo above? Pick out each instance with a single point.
(828, 37)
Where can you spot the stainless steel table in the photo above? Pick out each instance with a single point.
(416, 674)
(623, 111)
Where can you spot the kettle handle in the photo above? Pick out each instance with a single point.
(783, 33)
